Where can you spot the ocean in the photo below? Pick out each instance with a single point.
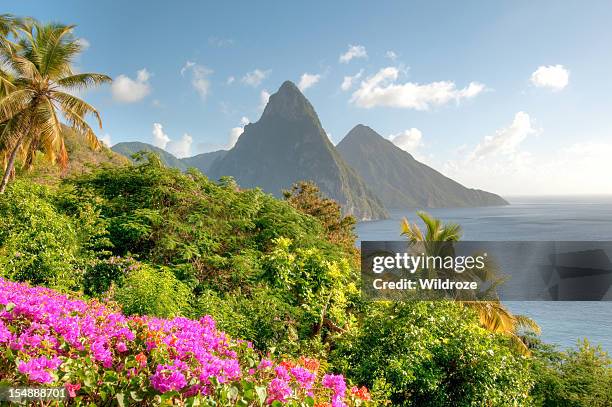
(531, 218)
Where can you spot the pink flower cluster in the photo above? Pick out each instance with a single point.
(49, 333)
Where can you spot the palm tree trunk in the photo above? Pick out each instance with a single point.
(9, 167)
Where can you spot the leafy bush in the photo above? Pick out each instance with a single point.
(99, 278)
(149, 291)
(37, 243)
(102, 357)
(432, 354)
(265, 318)
(319, 286)
(578, 377)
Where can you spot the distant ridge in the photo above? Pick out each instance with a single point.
(131, 147)
(288, 144)
(400, 181)
(203, 161)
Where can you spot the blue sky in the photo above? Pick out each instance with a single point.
(514, 97)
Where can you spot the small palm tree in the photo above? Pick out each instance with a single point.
(39, 79)
(492, 315)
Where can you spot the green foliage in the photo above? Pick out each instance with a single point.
(432, 354)
(311, 281)
(578, 377)
(99, 278)
(38, 244)
(150, 291)
(282, 274)
(307, 198)
(264, 317)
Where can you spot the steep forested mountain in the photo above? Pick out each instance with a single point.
(399, 180)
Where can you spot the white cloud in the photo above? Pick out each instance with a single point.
(391, 55)
(84, 43)
(381, 89)
(106, 140)
(180, 148)
(354, 51)
(236, 132)
(129, 90)
(199, 77)
(408, 140)
(264, 96)
(555, 77)
(506, 140)
(160, 139)
(348, 81)
(230, 80)
(255, 77)
(307, 80)
(501, 163)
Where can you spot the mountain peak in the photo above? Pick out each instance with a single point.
(362, 134)
(289, 86)
(399, 180)
(290, 103)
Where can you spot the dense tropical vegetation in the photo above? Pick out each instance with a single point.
(166, 287)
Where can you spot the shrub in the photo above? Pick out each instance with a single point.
(150, 291)
(99, 278)
(320, 286)
(432, 354)
(578, 377)
(264, 317)
(37, 243)
(102, 357)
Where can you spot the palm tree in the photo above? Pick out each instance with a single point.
(39, 79)
(492, 315)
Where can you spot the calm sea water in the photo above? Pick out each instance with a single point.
(532, 218)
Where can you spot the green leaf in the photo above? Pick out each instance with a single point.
(135, 396)
(262, 394)
(120, 399)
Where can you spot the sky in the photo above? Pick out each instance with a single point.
(511, 97)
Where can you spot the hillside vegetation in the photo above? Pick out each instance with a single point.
(282, 274)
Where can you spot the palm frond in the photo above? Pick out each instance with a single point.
(76, 122)
(76, 106)
(528, 324)
(15, 103)
(83, 80)
(57, 48)
(24, 67)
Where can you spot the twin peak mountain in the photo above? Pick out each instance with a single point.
(365, 172)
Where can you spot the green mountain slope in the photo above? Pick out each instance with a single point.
(132, 147)
(287, 145)
(203, 161)
(400, 181)
(81, 159)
